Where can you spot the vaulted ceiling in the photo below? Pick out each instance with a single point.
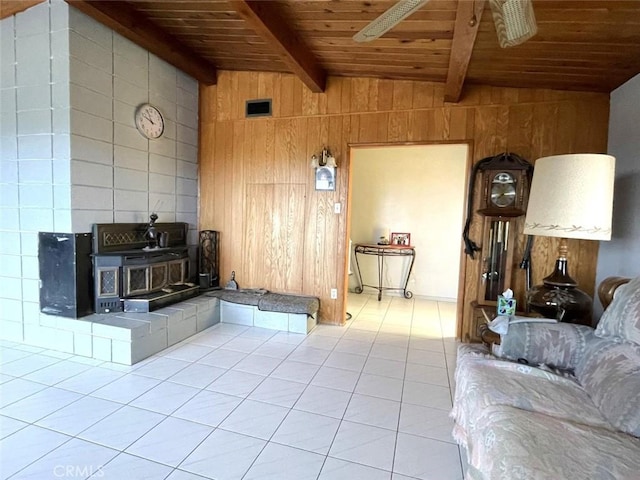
(591, 45)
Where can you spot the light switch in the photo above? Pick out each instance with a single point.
(337, 207)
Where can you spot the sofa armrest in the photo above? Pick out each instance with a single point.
(559, 345)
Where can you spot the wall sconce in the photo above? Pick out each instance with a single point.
(325, 159)
(325, 167)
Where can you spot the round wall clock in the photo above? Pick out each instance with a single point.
(149, 121)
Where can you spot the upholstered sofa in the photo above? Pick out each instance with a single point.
(562, 401)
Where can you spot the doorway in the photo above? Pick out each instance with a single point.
(417, 189)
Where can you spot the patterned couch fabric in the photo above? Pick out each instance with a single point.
(506, 443)
(610, 374)
(559, 345)
(520, 422)
(483, 381)
(621, 320)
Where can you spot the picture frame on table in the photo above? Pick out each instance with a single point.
(401, 239)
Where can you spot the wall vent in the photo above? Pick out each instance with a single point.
(258, 108)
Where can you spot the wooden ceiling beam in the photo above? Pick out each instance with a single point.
(465, 30)
(129, 23)
(271, 27)
(11, 7)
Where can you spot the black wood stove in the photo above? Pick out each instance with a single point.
(140, 267)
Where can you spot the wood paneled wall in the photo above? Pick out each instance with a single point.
(277, 232)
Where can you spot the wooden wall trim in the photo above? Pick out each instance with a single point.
(236, 152)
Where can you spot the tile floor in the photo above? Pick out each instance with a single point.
(367, 401)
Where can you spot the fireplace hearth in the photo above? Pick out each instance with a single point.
(134, 273)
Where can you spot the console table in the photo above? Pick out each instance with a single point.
(381, 251)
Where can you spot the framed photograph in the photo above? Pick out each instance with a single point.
(401, 239)
(325, 178)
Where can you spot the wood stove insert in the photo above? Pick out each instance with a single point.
(132, 273)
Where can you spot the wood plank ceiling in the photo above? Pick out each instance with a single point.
(591, 45)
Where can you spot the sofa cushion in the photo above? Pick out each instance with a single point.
(507, 443)
(610, 374)
(483, 381)
(559, 345)
(621, 320)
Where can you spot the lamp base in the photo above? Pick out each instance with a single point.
(558, 297)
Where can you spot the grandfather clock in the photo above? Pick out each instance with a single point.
(504, 181)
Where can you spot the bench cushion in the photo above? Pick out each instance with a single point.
(270, 302)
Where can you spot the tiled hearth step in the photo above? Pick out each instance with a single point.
(123, 337)
(128, 338)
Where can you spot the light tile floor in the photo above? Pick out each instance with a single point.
(366, 401)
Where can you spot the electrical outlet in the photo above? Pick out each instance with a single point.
(334, 293)
(337, 207)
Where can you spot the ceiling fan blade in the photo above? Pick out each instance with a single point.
(388, 20)
(514, 20)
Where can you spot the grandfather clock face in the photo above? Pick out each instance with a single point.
(504, 193)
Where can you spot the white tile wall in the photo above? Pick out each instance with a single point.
(36, 22)
(91, 102)
(91, 174)
(130, 158)
(32, 57)
(91, 198)
(72, 157)
(130, 201)
(90, 77)
(82, 220)
(61, 123)
(8, 171)
(11, 265)
(34, 146)
(30, 267)
(91, 150)
(162, 184)
(162, 164)
(10, 309)
(36, 220)
(40, 196)
(91, 126)
(9, 196)
(90, 52)
(32, 97)
(32, 122)
(127, 179)
(125, 67)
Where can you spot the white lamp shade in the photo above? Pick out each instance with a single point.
(572, 197)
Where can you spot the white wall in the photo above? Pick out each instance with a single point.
(621, 255)
(116, 173)
(70, 153)
(34, 155)
(415, 189)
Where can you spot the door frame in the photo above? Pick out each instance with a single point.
(345, 240)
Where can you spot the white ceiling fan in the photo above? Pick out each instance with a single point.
(514, 20)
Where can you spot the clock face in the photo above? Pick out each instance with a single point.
(503, 190)
(149, 121)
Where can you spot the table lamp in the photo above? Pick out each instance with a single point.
(571, 197)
